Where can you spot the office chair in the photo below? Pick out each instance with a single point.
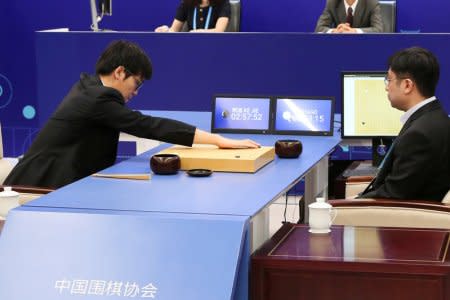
(388, 15)
(235, 18)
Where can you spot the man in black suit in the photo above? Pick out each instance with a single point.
(418, 165)
(350, 16)
(82, 135)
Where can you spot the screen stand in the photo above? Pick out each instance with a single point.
(94, 16)
(380, 147)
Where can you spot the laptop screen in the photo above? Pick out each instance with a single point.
(303, 115)
(240, 114)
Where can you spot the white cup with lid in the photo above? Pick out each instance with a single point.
(9, 199)
(321, 216)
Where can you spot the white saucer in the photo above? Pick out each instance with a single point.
(319, 230)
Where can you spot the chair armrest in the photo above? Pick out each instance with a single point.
(420, 204)
(30, 189)
(391, 213)
(358, 179)
(356, 185)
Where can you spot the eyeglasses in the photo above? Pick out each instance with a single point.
(387, 80)
(137, 81)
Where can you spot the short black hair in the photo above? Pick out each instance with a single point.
(420, 65)
(126, 54)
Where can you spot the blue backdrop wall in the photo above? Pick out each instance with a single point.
(300, 64)
(19, 19)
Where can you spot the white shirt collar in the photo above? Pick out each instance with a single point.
(413, 109)
(353, 6)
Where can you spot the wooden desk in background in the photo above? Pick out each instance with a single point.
(353, 263)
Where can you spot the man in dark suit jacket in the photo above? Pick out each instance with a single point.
(81, 136)
(350, 16)
(418, 165)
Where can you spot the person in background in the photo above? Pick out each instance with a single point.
(82, 135)
(350, 16)
(201, 16)
(417, 166)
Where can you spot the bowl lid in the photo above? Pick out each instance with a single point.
(8, 192)
(199, 172)
(320, 203)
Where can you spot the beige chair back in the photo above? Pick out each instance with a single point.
(353, 188)
(392, 217)
(446, 199)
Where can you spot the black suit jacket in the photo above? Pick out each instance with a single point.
(367, 16)
(81, 136)
(419, 165)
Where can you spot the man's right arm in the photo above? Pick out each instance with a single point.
(203, 137)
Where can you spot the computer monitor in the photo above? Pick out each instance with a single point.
(304, 115)
(367, 112)
(240, 114)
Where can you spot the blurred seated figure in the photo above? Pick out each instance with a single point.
(200, 16)
(350, 16)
